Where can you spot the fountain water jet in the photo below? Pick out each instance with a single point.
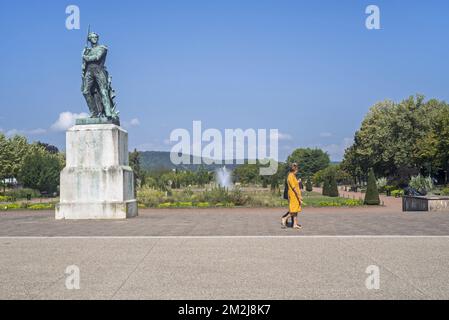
(223, 178)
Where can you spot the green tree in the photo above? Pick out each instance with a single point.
(12, 155)
(309, 161)
(399, 140)
(432, 149)
(5, 159)
(247, 174)
(372, 194)
(19, 149)
(48, 147)
(202, 177)
(40, 170)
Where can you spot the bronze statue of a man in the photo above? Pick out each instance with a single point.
(96, 86)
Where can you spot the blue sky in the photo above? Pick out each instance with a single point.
(308, 68)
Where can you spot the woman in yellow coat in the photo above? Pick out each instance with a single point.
(294, 196)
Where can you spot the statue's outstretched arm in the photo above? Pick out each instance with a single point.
(95, 55)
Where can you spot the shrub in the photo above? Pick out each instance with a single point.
(150, 197)
(10, 206)
(165, 205)
(341, 203)
(22, 193)
(397, 193)
(333, 189)
(41, 206)
(215, 195)
(326, 186)
(421, 184)
(5, 198)
(183, 204)
(388, 189)
(238, 198)
(309, 186)
(381, 184)
(203, 204)
(445, 191)
(372, 195)
(353, 202)
(329, 204)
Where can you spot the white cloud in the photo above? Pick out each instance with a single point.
(37, 131)
(33, 132)
(12, 132)
(67, 120)
(336, 151)
(284, 136)
(132, 123)
(325, 134)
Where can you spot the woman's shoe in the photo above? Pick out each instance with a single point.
(284, 223)
(298, 226)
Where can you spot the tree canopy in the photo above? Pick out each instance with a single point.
(34, 165)
(309, 161)
(399, 140)
(40, 170)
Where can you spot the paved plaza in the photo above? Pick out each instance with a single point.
(239, 253)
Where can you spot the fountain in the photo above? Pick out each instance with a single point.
(223, 178)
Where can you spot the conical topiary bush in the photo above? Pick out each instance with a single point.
(372, 194)
(326, 186)
(309, 186)
(333, 189)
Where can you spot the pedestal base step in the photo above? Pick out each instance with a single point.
(96, 210)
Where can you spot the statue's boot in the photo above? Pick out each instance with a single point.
(103, 87)
(106, 103)
(91, 104)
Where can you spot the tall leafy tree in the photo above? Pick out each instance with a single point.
(40, 170)
(12, 155)
(5, 159)
(309, 161)
(399, 140)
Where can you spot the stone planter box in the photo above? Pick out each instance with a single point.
(425, 203)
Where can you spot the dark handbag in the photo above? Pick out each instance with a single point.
(286, 190)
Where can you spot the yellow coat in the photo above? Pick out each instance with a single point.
(293, 203)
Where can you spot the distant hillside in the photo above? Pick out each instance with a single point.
(156, 160)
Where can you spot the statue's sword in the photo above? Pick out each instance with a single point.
(85, 49)
(87, 38)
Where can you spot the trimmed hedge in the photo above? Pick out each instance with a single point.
(333, 189)
(372, 194)
(326, 186)
(309, 186)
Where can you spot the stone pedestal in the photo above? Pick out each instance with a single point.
(97, 182)
(425, 203)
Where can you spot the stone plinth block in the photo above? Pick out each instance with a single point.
(97, 182)
(425, 203)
